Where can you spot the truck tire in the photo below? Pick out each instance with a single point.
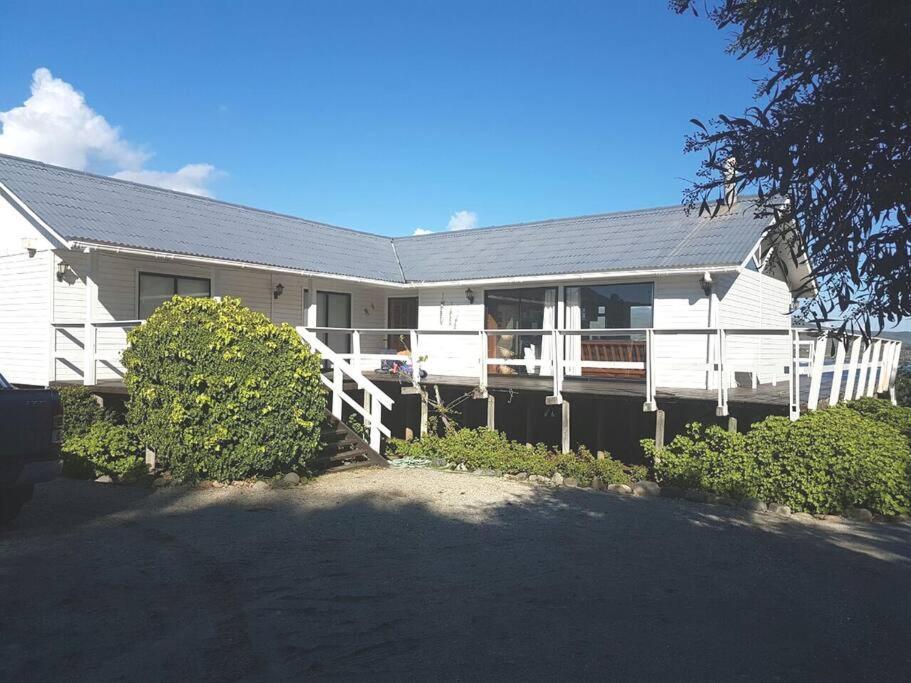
(11, 502)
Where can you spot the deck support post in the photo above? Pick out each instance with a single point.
(424, 415)
(491, 412)
(659, 428)
(722, 409)
(794, 385)
(151, 459)
(565, 442)
(732, 425)
(650, 405)
(529, 421)
(89, 335)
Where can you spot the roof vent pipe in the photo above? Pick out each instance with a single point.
(730, 181)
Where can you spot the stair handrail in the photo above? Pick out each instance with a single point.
(341, 368)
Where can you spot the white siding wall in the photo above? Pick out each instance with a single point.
(448, 309)
(680, 303)
(757, 300)
(24, 317)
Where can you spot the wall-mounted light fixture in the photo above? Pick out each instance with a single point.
(706, 283)
(277, 292)
(61, 271)
(469, 295)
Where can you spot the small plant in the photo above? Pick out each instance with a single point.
(486, 449)
(80, 410)
(105, 448)
(883, 411)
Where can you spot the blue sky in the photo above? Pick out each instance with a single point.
(391, 116)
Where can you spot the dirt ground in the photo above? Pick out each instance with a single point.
(419, 574)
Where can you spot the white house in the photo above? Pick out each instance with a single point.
(656, 299)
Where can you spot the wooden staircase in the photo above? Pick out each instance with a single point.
(343, 449)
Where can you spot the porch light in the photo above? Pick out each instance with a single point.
(706, 283)
(277, 292)
(61, 271)
(469, 295)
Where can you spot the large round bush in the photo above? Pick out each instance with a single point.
(218, 391)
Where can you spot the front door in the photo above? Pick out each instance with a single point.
(402, 315)
(333, 309)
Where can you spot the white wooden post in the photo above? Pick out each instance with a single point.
(837, 372)
(851, 380)
(893, 376)
(862, 371)
(311, 318)
(819, 359)
(337, 388)
(415, 363)
(650, 404)
(885, 371)
(559, 362)
(722, 409)
(565, 441)
(89, 335)
(356, 350)
(794, 399)
(376, 417)
(875, 366)
(482, 362)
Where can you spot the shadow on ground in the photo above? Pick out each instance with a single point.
(391, 575)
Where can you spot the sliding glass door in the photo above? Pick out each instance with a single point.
(333, 309)
(601, 307)
(531, 308)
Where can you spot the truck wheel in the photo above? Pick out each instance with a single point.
(11, 502)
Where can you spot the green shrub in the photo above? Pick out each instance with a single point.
(218, 391)
(883, 411)
(903, 389)
(105, 448)
(486, 449)
(80, 410)
(825, 462)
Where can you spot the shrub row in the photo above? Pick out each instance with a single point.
(825, 462)
(486, 449)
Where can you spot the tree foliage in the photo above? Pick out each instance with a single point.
(830, 134)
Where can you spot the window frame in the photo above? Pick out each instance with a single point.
(174, 277)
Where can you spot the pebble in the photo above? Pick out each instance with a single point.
(597, 484)
(779, 509)
(803, 518)
(557, 479)
(104, 479)
(619, 488)
(570, 481)
(260, 486)
(859, 515)
(646, 488)
(291, 478)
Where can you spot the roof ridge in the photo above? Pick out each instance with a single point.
(189, 195)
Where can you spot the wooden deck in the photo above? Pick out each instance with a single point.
(765, 394)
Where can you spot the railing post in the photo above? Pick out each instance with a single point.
(894, 374)
(356, 350)
(874, 367)
(482, 369)
(819, 358)
(650, 404)
(885, 371)
(794, 387)
(863, 372)
(376, 417)
(722, 409)
(415, 363)
(837, 372)
(88, 342)
(851, 379)
(338, 386)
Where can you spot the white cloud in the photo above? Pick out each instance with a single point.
(422, 231)
(463, 220)
(56, 125)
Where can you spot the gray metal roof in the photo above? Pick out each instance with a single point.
(84, 207)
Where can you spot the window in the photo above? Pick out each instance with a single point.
(532, 308)
(333, 309)
(155, 289)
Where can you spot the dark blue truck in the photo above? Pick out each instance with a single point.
(31, 430)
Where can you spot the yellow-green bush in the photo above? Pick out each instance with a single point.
(104, 448)
(220, 392)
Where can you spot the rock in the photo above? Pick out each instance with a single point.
(160, 481)
(570, 481)
(261, 485)
(859, 515)
(486, 472)
(597, 484)
(754, 505)
(803, 518)
(217, 485)
(461, 467)
(292, 478)
(672, 492)
(646, 488)
(538, 479)
(104, 479)
(522, 476)
(619, 488)
(696, 495)
(557, 479)
(779, 509)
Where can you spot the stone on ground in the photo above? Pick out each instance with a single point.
(105, 479)
(292, 478)
(646, 488)
(619, 488)
(779, 509)
(859, 515)
(260, 485)
(754, 505)
(557, 479)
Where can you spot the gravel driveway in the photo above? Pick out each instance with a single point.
(419, 574)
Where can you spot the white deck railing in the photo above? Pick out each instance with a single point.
(853, 369)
